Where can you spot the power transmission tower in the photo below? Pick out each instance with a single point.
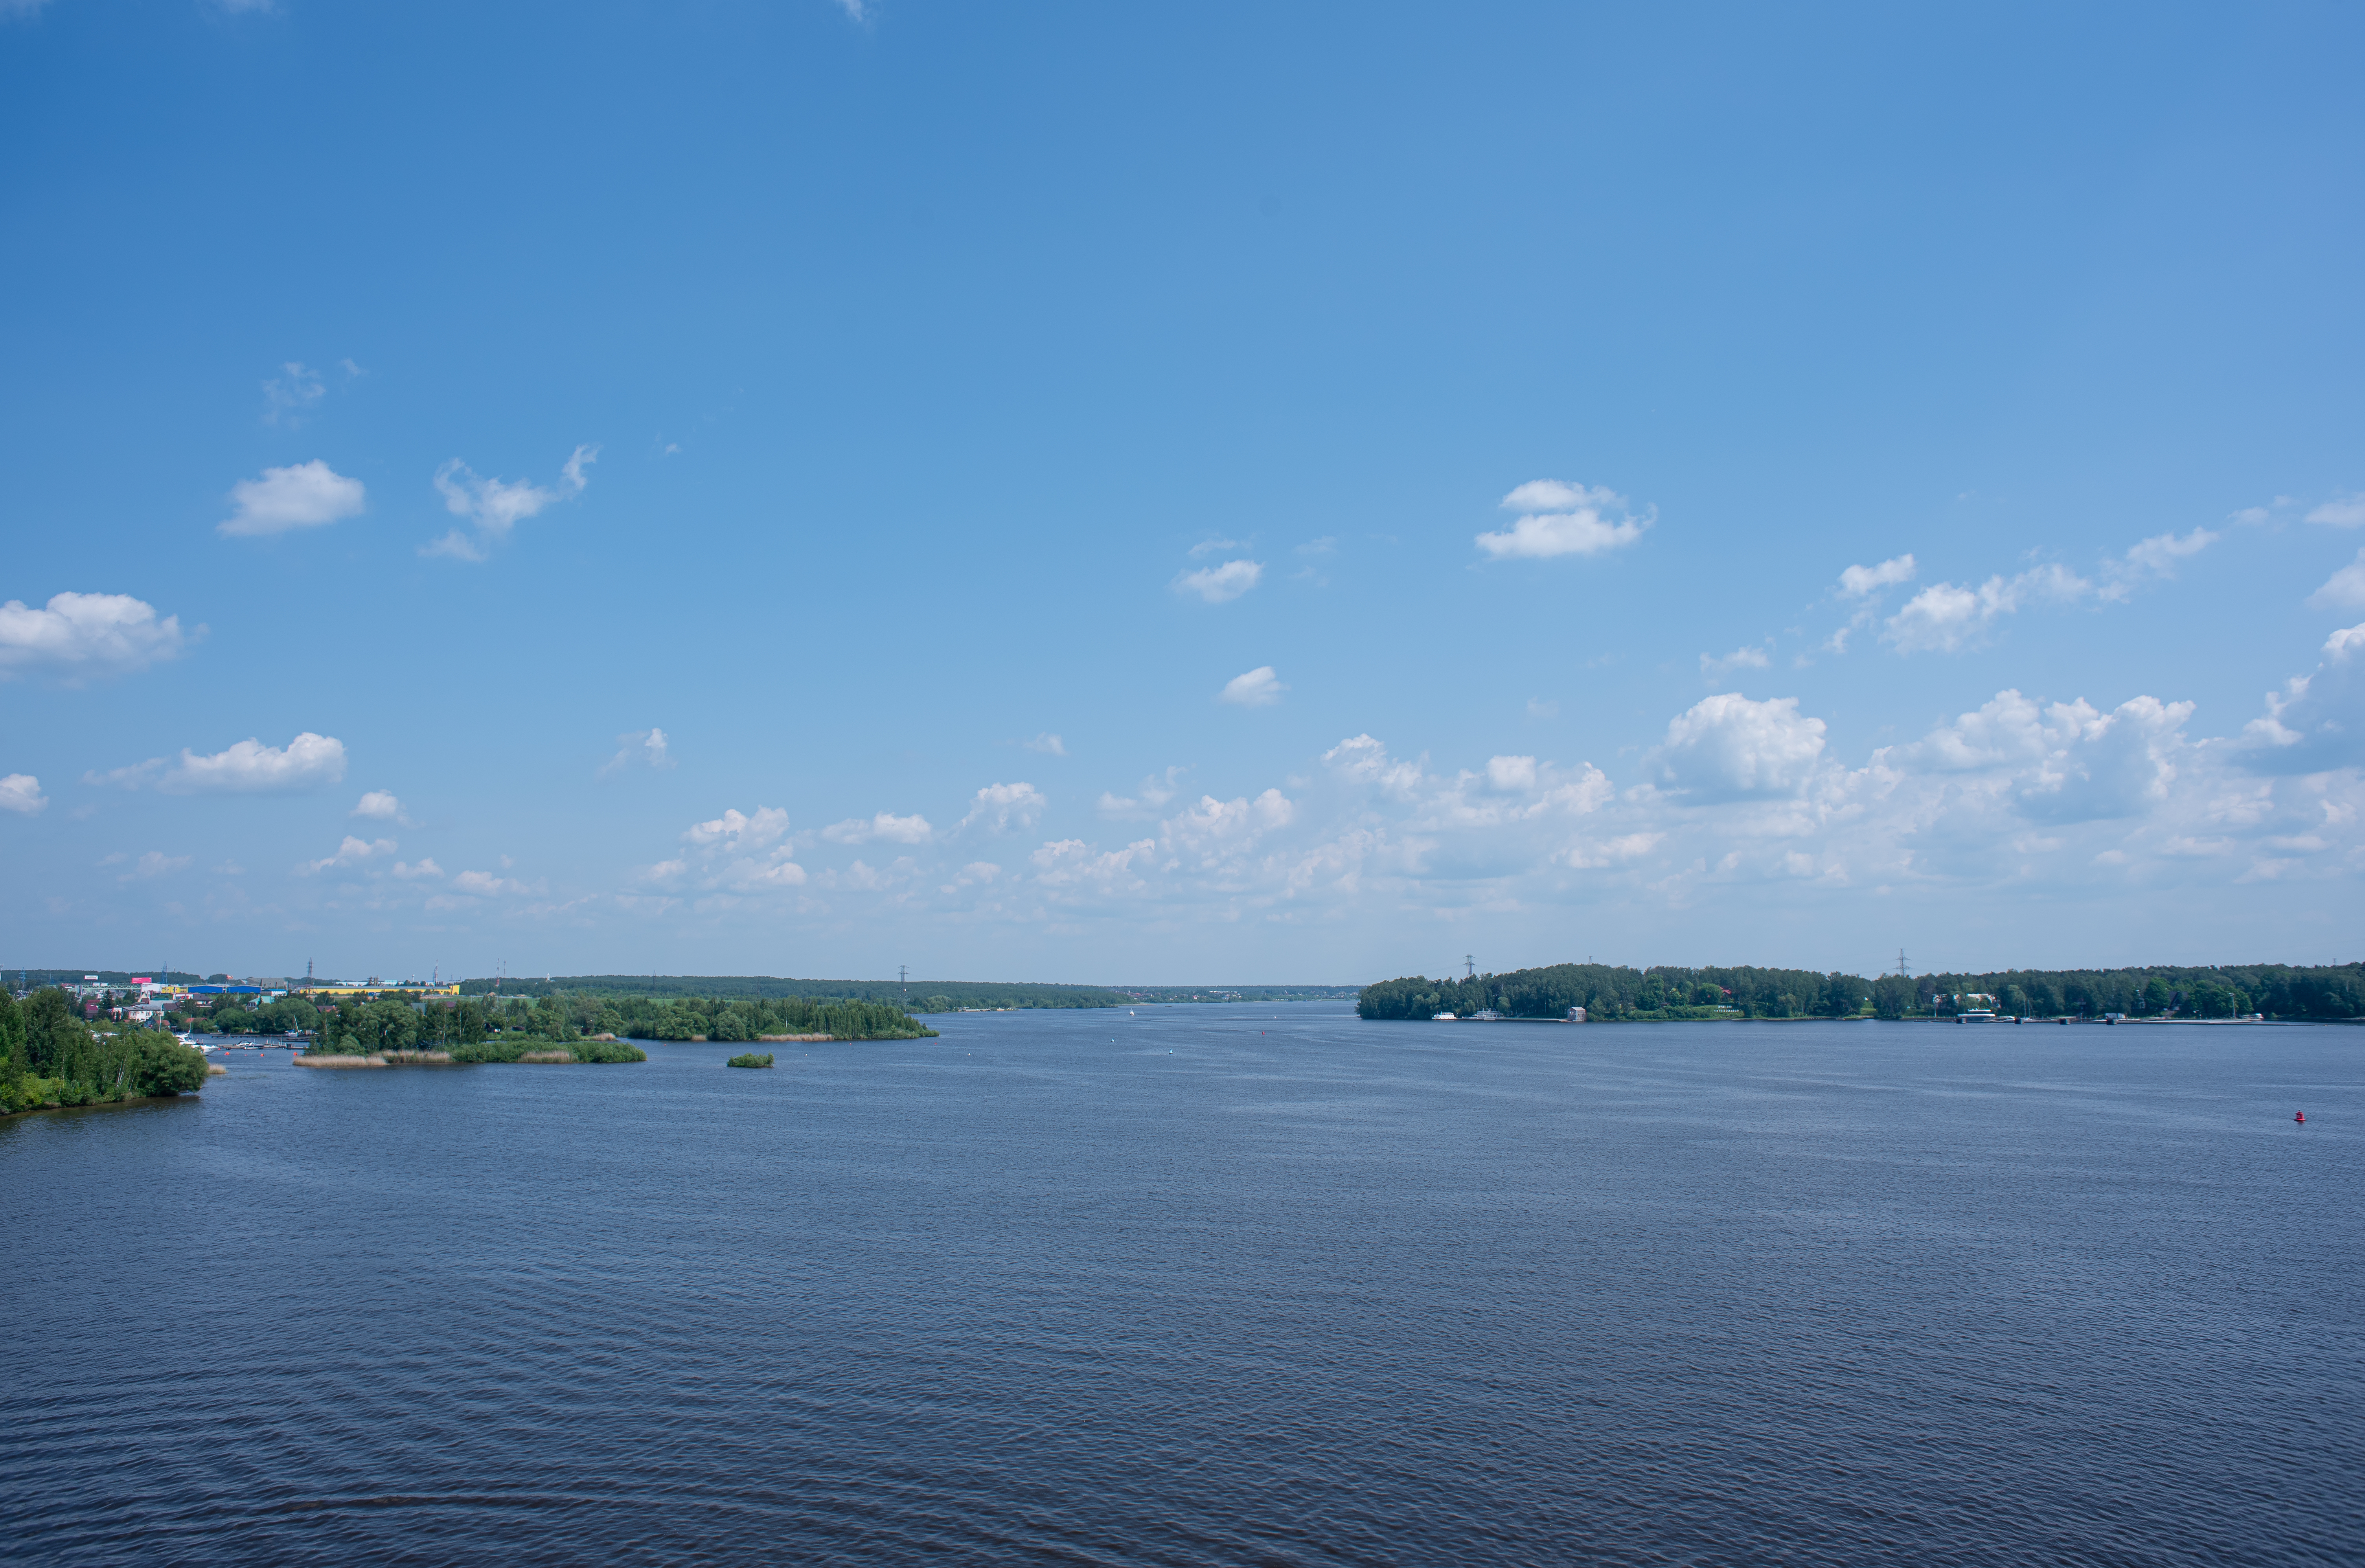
(1901, 972)
(1470, 964)
(904, 979)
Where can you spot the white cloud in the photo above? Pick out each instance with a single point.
(247, 767)
(1862, 582)
(734, 829)
(484, 885)
(21, 793)
(2115, 765)
(1594, 854)
(2341, 512)
(2317, 720)
(1717, 667)
(1366, 761)
(425, 867)
(352, 852)
(998, 807)
(1561, 519)
(81, 634)
(156, 863)
(1945, 618)
(287, 398)
(885, 825)
(306, 495)
(1145, 802)
(2161, 552)
(647, 747)
(381, 805)
(1511, 773)
(752, 875)
(1219, 584)
(2345, 589)
(855, 10)
(2154, 557)
(1727, 748)
(496, 506)
(1542, 708)
(1048, 744)
(1260, 688)
(1213, 546)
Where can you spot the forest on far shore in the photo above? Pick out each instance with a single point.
(1611, 993)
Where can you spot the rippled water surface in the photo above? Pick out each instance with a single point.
(1202, 1286)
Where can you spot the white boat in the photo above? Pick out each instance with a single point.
(1976, 1016)
(1442, 1018)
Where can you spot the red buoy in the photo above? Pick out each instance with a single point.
(2299, 1116)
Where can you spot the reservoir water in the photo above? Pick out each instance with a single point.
(1211, 1285)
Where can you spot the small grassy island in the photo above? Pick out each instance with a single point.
(749, 1058)
(49, 1057)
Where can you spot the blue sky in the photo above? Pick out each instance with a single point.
(1206, 494)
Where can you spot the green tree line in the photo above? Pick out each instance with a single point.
(922, 996)
(1615, 992)
(50, 1056)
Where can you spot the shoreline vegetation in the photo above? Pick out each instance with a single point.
(50, 1058)
(1615, 994)
(749, 1058)
(705, 991)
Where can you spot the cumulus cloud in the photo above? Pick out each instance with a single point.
(424, 868)
(352, 852)
(496, 506)
(1945, 618)
(641, 747)
(2116, 765)
(1563, 518)
(21, 793)
(738, 853)
(884, 825)
(78, 635)
(1862, 582)
(736, 830)
(2345, 589)
(247, 767)
(155, 863)
(1727, 748)
(1260, 688)
(1048, 744)
(306, 495)
(1216, 585)
(382, 806)
(2341, 512)
(998, 807)
(2317, 720)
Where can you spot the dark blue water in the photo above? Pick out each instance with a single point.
(1305, 1290)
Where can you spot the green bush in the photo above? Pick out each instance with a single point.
(749, 1058)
